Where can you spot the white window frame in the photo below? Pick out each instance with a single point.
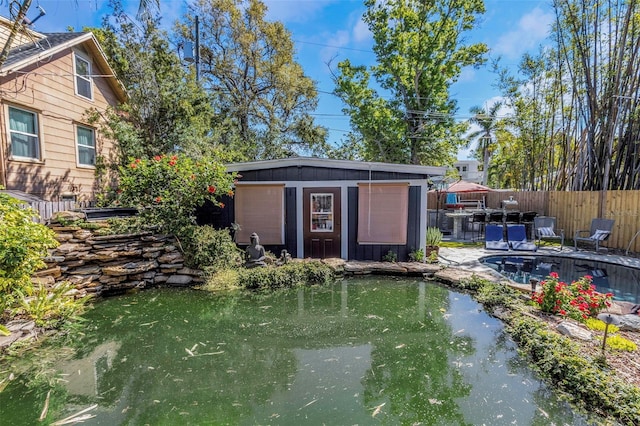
(36, 125)
(78, 145)
(85, 78)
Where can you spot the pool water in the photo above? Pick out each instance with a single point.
(363, 351)
(622, 281)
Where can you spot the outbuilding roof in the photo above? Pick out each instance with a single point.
(337, 164)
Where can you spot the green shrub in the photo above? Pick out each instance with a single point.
(289, 275)
(226, 279)
(560, 360)
(391, 256)
(621, 344)
(50, 307)
(210, 249)
(23, 245)
(599, 325)
(166, 189)
(495, 294)
(417, 255)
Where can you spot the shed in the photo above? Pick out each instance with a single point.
(322, 208)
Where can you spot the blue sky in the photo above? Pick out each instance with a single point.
(332, 30)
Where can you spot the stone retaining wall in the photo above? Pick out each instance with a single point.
(114, 263)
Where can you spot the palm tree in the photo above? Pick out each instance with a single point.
(488, 121)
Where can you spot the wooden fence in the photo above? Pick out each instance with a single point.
(46, 209)
(573, 210)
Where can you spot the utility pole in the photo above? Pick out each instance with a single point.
(197, 48)
(191, 53)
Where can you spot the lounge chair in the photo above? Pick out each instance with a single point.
(596, 235)
(493, 238)
(545, 230)
(517, 236)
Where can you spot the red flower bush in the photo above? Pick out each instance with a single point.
(578, 300)
(167, 189)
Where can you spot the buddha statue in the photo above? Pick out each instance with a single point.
(254, 254)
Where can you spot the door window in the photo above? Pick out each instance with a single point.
(321, 212)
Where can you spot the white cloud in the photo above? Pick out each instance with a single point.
(468, 74)
(333, 44)
(361, 31)
(531, 30)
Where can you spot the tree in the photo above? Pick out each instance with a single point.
(17, 23)
(488, 121)
(167, 110)
(420, 53)
(261, 94)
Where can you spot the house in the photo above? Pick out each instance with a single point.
(48, 148)
(468, 170)
(322, 208)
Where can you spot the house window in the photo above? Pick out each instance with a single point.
(83, 77)
(382, 213)
(464, 168)
(86, 146)
(260, 209)
(23, 126)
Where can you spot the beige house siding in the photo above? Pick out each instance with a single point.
(21, 37)
(48, 89)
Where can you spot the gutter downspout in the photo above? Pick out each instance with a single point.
(3, 145)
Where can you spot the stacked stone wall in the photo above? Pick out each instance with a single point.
(104, 264)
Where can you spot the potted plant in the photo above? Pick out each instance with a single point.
(434, 238)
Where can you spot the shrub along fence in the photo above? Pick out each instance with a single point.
(573, 210)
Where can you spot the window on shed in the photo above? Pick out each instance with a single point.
(23, 126)
(83, 77)
(260, 209)
(382, 213)
(86, 146)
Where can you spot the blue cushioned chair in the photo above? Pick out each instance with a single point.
(494, 238)
(517, 236)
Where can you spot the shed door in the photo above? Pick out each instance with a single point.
(321, 222)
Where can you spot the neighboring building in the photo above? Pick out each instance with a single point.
(468, 170)
(323, 208)
(47, 84)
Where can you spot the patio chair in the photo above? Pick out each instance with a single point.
(477, 222)
(496, 218)
(596, 235)
(517, 237)
(527, 219)
(545, 230)
(512, 217)
(494, 238)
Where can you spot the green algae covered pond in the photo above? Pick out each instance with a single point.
(362, 351)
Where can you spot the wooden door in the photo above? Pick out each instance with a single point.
(321, 211)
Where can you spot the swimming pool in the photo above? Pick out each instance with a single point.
(622, 281)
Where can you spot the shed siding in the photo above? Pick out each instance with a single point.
(50, 92)
(290, 222)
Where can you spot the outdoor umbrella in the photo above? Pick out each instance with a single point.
(462, 186)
